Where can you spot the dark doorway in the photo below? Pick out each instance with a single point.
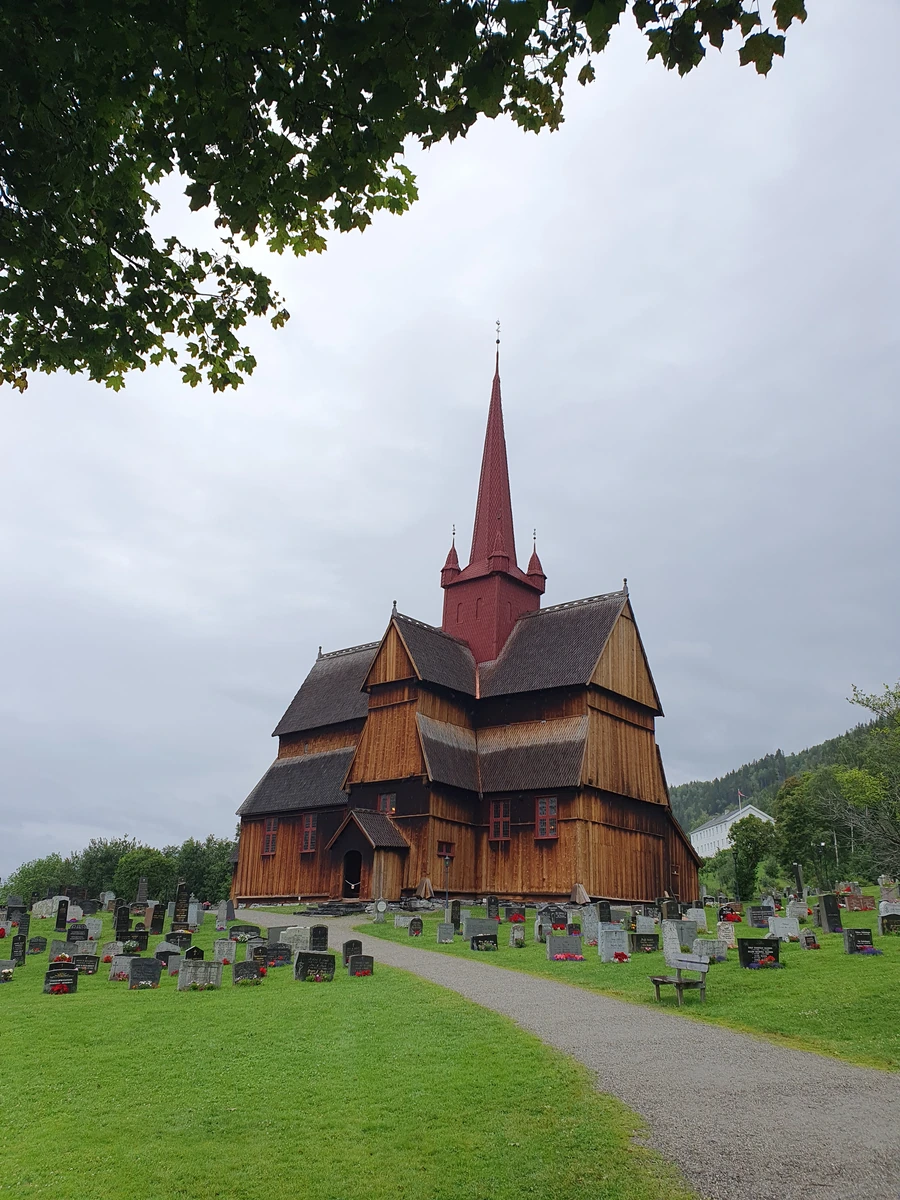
(352, 874)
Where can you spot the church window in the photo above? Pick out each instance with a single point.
(270, 835)
(478, 609)
(387, 803)
(446, 849)
(499, 821)
(545, 817)
(309, 832)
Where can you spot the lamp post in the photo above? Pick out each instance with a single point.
(446, 881)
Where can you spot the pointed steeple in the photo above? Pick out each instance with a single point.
(450, 569)
(535, 571)
(494, 507)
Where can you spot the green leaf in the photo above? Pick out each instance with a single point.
(760, 49)
(787, 11)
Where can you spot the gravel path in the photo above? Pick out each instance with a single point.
(792, 1125)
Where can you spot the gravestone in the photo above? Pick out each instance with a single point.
(59, 947)
(476, 926)
(590, 923)
(380, 910)
(274, 932)
(517, 935)
(644, 925)
(796, 910)
(37, 945)
(671, 938)
(62, 915)
(119, 967)
(94, 928)
(90, 907)
(87, 964)
(698, 915)
(712, 948)
(204, 974)
(313, 967)
(402, 920)
(238, 931)
(856, 939)
(829, 913)
(144, 972)
(229, 910)
(889, 924)
(669, 910)
(296, 937)
(555, 913)
(753, 950)
(784, 928)
(105, 898)
(194, 954)
(445, 933)
(141, 936)
(142, 893)
(256, 950)
(166, 946)
(808, 940)
(17, 949)
(360, 965)
(61, 982)
(165, 955)
(170, 910)
(725, 933)
(195, 915)
(157, 920)
(688, 931)
(483, 941)
(245, 970)
(515, 910)
(222, 914)
(464, 914)
(415, 927)
(318, 937)
(888, 892)
(603, 910)
(180, 908)
(24, 924)
(562, 944)
(611, 942)
(643, 943)
(758, 916)
(279, 955)
(173, 963)
(455, 918)
(542, 929)
(122, 922)
(493, 908)
(180, 938)
(354, 946)
(8, 964)
(573, 928)
(112, 949)
(225, 950)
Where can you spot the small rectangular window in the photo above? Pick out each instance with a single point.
(545, 817)
(499, 821)
(270, 835)
(309, 833)
(446, 849)
(387, 803)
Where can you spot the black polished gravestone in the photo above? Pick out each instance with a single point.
(182, 900)
(483, 941)
(829, 914)
(493, 908)
(78, 933)
(603, 911)
(165, 955)
(122, 923)
(415, 927)
(87, 964)
(236, 931)
(141, 936)
(643, 943)
(354, 946)
(90, 908)
(573, 929)
(889, 924)
(318, 937)
(24, 924)
(54, 967)
(144, 972)
(455, 915)
(194, 954)
(279, 954)
(245, 970)
(16, 914)
(555, 914)
(37, 945)
(856, 939)
(258, 953)
(757, 916)
(156, 920)
(61, 983)
(754, 950)
(62, 916)
(180, 938)
(17, 950)
(360, 965)
(311, 967)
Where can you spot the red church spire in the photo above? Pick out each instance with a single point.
(483, 601)
(493, 513)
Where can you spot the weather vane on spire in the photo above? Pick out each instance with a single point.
(498, 333)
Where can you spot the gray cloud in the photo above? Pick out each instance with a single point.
(698, 286)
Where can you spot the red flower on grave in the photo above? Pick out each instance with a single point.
(359, 974)
(59, 989)
(226, 962)
(108, 958)
(516, 919)
(620, 956)
(272, 963)
(263, 971)
(62, 958)
(558, 927)
(2, 932)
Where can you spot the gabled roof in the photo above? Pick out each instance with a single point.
(332, 691)
(553, 647)
(532, 755)
(309, 781)
(437, 657)
(746, 810)
(450, 753)
(378, 828)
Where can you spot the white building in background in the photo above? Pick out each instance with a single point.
(714, 836)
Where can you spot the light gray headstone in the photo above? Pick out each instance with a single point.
(713, 948)
(224, 948)
(445, 933)
(725, 933)
(698, 915)
(464, 912)
(590, 925)
(402, 920)
(170, 909)
(273, 934)
(173, 963)
(70, 948)
(208, 974)
(477, 927)
(111, 948)
(194, 915)
(167, 946)
(796, 910)
(689, 931)
(7, 964)
(671, 939)
(85, 948)
(620, 915)
(610, 942)
(120, 965)
(563, 943)
(888, 908)
(94, 927)
(517, 935)
(644, 925)
(784, 928)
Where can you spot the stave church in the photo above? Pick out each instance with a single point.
(510, 751)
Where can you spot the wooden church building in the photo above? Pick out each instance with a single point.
(512, 748)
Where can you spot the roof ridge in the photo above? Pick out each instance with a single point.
(538, 612)
(350, 650)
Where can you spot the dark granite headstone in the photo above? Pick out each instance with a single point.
(78, 933)
(314, 967)
(889, 924)
(25, 925)
(669, 910)
(182, 900)
(16, 913)
(142, 892)
(87, 964)
(122, 923)
(245, 970)
(61, 982)
(758, 916)
(236, 930)
(37, 945)
(483, 941)
(643, 943)
(415, 927)
(180, 938)
(752, 950)
(194, 953)
(258, 952)
(856, 939)
(318, 937)
(829, 913)
(90, 908)
(141, 936)
(455, 917)
(360, 965)
(62, 915)
(279, 955)
(59, 966)
(229, 911)
(353, 946)
(144, 971)
(603, 911)
(17, 949)
(556, 914)
(493, 907)
(165, 955)
(157, 920)
(573, 929)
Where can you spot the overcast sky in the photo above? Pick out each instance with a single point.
(698, 285)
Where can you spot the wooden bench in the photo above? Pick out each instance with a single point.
(685, 962)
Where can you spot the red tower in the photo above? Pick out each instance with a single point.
(484, 600)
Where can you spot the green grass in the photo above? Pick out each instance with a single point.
(356, 1090)
(824, 1000)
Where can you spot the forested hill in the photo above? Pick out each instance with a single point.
(694, 803)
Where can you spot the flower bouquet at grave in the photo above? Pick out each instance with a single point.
(120, 977)
(6, 975)
(201, 987)
(415, 932)
(316, 977)
(561, 926)
(129, 947)
(107, 958)
(38, 950)
(732, 916)
(2, 931)
(517, 919)
(569, 957)
(63, 958)
(243, 937)
(263, 971)
(870, 950)
(226, 962)
(620, 957)
(765, 964)
(144, 984)
(249, 981)
(59, 989)
(591, 942)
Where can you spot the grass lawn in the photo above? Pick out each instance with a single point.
(824, 1000)
(369, 1088)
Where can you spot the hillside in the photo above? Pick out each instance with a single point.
(693, 803)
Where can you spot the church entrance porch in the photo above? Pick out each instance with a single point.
(352, 875)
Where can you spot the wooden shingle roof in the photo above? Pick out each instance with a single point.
(437, 657)
(378, 828)
(332, 691)
(310, 781)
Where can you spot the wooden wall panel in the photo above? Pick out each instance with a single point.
(618, 706)
(391, 662)
(391, 693)
(287, 872)
(443, 708)
(623, 668)
(683, 874)
(622, 758)
(292, 745)
(389, 747)
(531, 706)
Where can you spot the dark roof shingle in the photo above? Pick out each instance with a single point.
(438, 657)
(532, 755)
(450, 753)
(553, 647)
(332, 691)
(310, 781)
(377, 827)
